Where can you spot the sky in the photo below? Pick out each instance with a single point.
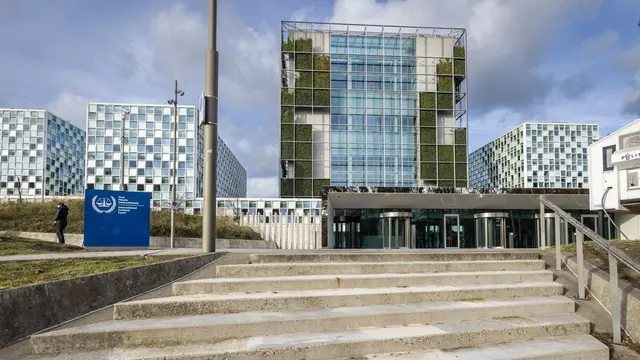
(542, 60)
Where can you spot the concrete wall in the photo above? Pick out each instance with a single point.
(154, 241)
(304, 234)
(597, 281)
(29, 309)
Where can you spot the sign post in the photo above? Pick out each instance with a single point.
(117, 218)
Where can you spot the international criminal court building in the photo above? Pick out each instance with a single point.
(374, 122)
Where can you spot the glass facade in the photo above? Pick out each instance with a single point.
(231, 179)
(366, 105)
(40, 154)
(269, 206)
(535, 155)
(148, 153)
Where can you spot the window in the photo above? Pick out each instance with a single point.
(607, 152)
(632, 180)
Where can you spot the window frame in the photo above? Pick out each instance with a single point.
(604, 158)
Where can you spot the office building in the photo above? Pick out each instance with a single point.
(40, 154)
(148, 153)
(535, 155)
(367, 105)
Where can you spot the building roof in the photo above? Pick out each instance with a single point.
(617, 132)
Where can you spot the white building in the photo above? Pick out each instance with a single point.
(535, 155)
(40, 154)
(614, 168)
(148, 154)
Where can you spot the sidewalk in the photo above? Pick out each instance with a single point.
(94, 254)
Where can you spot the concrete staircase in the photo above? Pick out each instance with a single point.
(464, 305)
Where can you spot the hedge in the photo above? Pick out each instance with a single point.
(445, 171)
(318, 184)
(445, 153)
(286, 151)
(304, 132)
(428, 153)
(461, 171)
(286, 97)
(321, 97)
(428, 170)
(286, 187)
(304, 79)
(303, 188)
(303, 151)
(461, 154)
(286, 114)
(321, 80)
(286, 132)
(461, 136)
(304, 97)
(427, 100)
(303, 169)
(427, 135)
(445, 101)
(427, 118)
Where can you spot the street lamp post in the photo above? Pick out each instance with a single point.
(174, 202)
(210, 126)
(123, 116)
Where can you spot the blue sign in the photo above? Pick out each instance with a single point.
(116, 218)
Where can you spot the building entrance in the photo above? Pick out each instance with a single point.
(347, 232)
(491, 230)
(396, 230)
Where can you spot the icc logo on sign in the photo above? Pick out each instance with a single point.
(104, 205)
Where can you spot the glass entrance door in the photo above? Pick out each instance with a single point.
(451, 231)
(491, 230)
(396, 229)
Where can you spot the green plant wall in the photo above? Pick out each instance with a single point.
(428, 135)
(317, 186)
(427, 118)
(445, 153)
(286, 97)
(428, 153)
(303, 169)
(445, 171)
(427, 100)
(286, 187)
(303, 188)
(429, 170)
(303, 151)
(286, 150)
(286, 132)
(304, 132)
(286, 114)
(461, 136)
(461, 153)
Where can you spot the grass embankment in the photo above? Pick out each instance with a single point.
(24, 273)
(598, 257)
(17, 246)
(38, 217)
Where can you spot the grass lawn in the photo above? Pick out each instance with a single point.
(18, 246)
(23, 273)
(598, 257)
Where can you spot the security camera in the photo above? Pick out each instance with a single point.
(170, 102)
(181, 92)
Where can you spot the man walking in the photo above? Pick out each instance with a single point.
(61, 221)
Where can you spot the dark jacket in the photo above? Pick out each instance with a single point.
(62, 213)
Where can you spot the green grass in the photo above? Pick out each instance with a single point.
(17, 246)
(24, 273)
(38, 217)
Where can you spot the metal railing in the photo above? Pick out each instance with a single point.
(614, 253)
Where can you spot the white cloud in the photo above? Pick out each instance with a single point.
(600, 43)
(266, 187)
(70, 107)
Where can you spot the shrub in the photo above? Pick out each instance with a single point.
(286, 187)
(303, 152)
(304, 132)
(321, 97)
(445, 171)
(427, 118)
(286, 114)
(303, 169)
(303, 97)
(427, 153)
(286, 151)
(303, 187)
(286, 132)
(427, 100)
(445, 154)
(38, 217)
(318, 184)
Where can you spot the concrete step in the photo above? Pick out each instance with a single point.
(399, 267)
(324, 299)
(214, 328)
(322, 282)
(359, 342)
(378, 256)
(577, 347)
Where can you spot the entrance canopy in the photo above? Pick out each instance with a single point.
(361, 200)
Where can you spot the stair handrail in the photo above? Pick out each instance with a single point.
(613, 252)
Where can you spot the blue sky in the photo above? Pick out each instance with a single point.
(544, 60)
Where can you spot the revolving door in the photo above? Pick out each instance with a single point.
(396, 230)
(491, 230)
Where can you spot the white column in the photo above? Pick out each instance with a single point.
(330, 239)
